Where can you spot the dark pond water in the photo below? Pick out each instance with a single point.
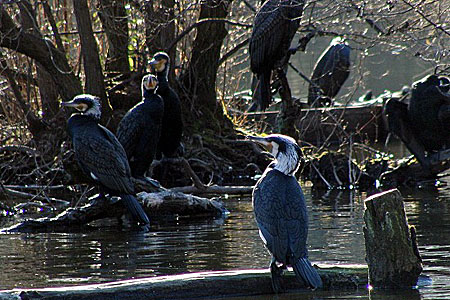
(109, 253)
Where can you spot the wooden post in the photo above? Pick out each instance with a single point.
(391, 248)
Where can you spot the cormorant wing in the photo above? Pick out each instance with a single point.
(101, 155)
(281, 215)
(267, 35)
(130, 129)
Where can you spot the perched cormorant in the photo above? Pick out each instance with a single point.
(274, 28)
(428, 112)
(281, 213)
(172, 124)
(140, 129)
(330, 73)
(100, 155)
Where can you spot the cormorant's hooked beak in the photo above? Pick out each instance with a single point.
(261, 141)
(150, 83)
(158, 65)
(77, 105)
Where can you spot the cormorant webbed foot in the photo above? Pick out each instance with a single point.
(277, 281)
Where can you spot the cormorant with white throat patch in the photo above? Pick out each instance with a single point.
(172, 124)
(281, 214)
(139, 130)
(100, 155)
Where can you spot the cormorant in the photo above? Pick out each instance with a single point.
(281, 213)
(139, 130)
(274, 28)
(329, 74)
(428, 112)
(100, 155)
(172, 124)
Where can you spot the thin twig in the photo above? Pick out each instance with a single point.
(202, 22)
(35, 187)
(32, 196)
(233, 51)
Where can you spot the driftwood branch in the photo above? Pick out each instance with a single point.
(156, 205)
(204, 285)
(216, 284)
(214, 189)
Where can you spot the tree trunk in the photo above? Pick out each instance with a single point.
(41, 50)
(391, 248)
(35, 124)
(115, 24)
(95, 84)
(47, 90)
(290, 112)
(200, 79)
(160, 29)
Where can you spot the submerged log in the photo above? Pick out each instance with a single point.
(157, 204)
(411, 173)
(195, 285)
(391, 247)
(215, 190)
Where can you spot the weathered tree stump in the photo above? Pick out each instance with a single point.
(391, 247)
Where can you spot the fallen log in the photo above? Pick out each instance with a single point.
(214, 190)
(411, 173)
(195, 285)
(172, 203)
(391, 247)
(158, 204)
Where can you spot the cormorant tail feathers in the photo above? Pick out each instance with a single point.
(306, 271)
(135, 209)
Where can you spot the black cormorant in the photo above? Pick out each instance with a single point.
(172, 124)
(281, 213)
(100, 155)
(140, 129)
(330, 73)
(274, 28)
(428, 112)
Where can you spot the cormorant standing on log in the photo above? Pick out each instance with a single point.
(274, 28)
(100, 155)
(429, 112)
(140, 129)
(172, 124)
(281, 213)
(330, 73)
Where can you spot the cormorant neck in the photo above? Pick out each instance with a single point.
(148, 94)
(94, 112)
(163, 75)
(287, 162)
(90, 115)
